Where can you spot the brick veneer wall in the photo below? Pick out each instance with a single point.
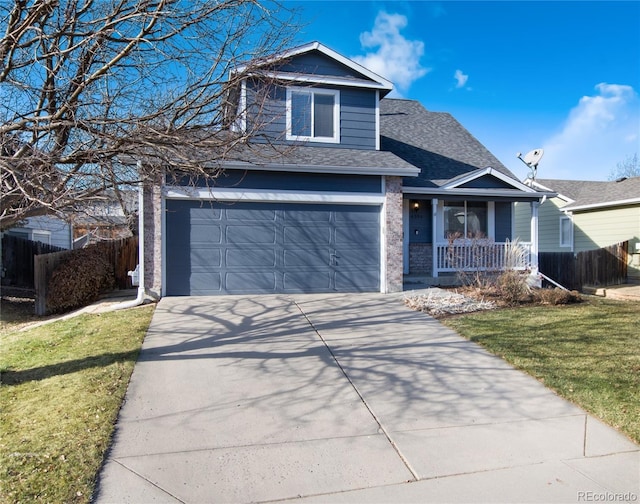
(393, 234)
(421, 258)
(153, 238)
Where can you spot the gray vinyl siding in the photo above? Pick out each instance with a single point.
(522, 224)
(59, 231)
(357, 117)
(486, 182)
(291, 181)
(316, 63)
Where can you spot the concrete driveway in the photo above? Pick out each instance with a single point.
(345, 398)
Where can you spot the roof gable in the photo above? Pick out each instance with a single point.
(316, 63)
(486, 178)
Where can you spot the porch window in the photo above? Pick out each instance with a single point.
(313, 114)
(465, 219)
(566, 235)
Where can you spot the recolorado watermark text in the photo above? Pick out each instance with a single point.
(607, 497)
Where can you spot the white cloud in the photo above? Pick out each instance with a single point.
(461, 79)
(600, 131)
(395, 58)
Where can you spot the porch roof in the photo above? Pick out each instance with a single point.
(476, 194)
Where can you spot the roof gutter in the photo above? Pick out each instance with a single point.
(408, 171)
(478, 192)
(631, 201)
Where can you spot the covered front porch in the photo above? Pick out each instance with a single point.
(468, 226)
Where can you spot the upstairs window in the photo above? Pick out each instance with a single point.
(313, 114)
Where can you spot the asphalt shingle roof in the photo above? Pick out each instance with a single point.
(433, 141)
(410, 137)
(586, 192)
(328, 157)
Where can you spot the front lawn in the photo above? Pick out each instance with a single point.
(588, 353)
(62, 387)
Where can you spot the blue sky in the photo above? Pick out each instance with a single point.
(562, 76)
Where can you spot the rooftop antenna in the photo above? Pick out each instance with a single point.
(531, 159)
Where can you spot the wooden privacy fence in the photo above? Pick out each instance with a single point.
(605, 266)
(122, 254)
(17, 260)
(560, 267)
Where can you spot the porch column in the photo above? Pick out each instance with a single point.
(534, 236)
(393, 254)
(434, 237)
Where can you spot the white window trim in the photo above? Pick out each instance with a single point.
(570, 242)
(336, 115)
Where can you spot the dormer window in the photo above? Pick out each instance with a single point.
(313, 114)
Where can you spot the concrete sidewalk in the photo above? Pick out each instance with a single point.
(345, 398)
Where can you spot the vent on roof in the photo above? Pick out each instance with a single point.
(621, 179)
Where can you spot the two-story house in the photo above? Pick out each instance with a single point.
(347, 190)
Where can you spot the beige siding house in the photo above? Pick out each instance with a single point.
(586, 215)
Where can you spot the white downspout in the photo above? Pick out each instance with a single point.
(141, 289)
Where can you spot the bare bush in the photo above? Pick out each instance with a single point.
(79, 280)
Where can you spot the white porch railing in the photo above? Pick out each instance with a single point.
(482, 255)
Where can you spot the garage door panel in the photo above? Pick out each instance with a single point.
(357, 217)
(204, 212)
(351, 258)
(362, 235)
(238, 235)
(250, 281)
(309, 213)
(202, 255)
(312, 258)
(250, 257)
(205, 282)
(307, 281)
(205, 233)
(360, 280)
(317, 235)
(240, 212)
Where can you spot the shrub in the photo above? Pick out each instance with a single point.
(79, 280)
(557, 296)
(513, 287)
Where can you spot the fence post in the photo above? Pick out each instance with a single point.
(43, 266)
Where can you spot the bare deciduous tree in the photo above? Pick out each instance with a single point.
(630, 167)
(86, 82)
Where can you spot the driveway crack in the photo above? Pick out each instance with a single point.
(381, 427)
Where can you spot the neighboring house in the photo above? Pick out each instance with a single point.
(587, 215)
(108, 218)
(46, 229)
(365, 190)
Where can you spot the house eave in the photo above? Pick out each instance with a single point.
(328, 169)
(594, 206)
(482, 172)
(326, 80)
(377, 80)
(479, 192)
